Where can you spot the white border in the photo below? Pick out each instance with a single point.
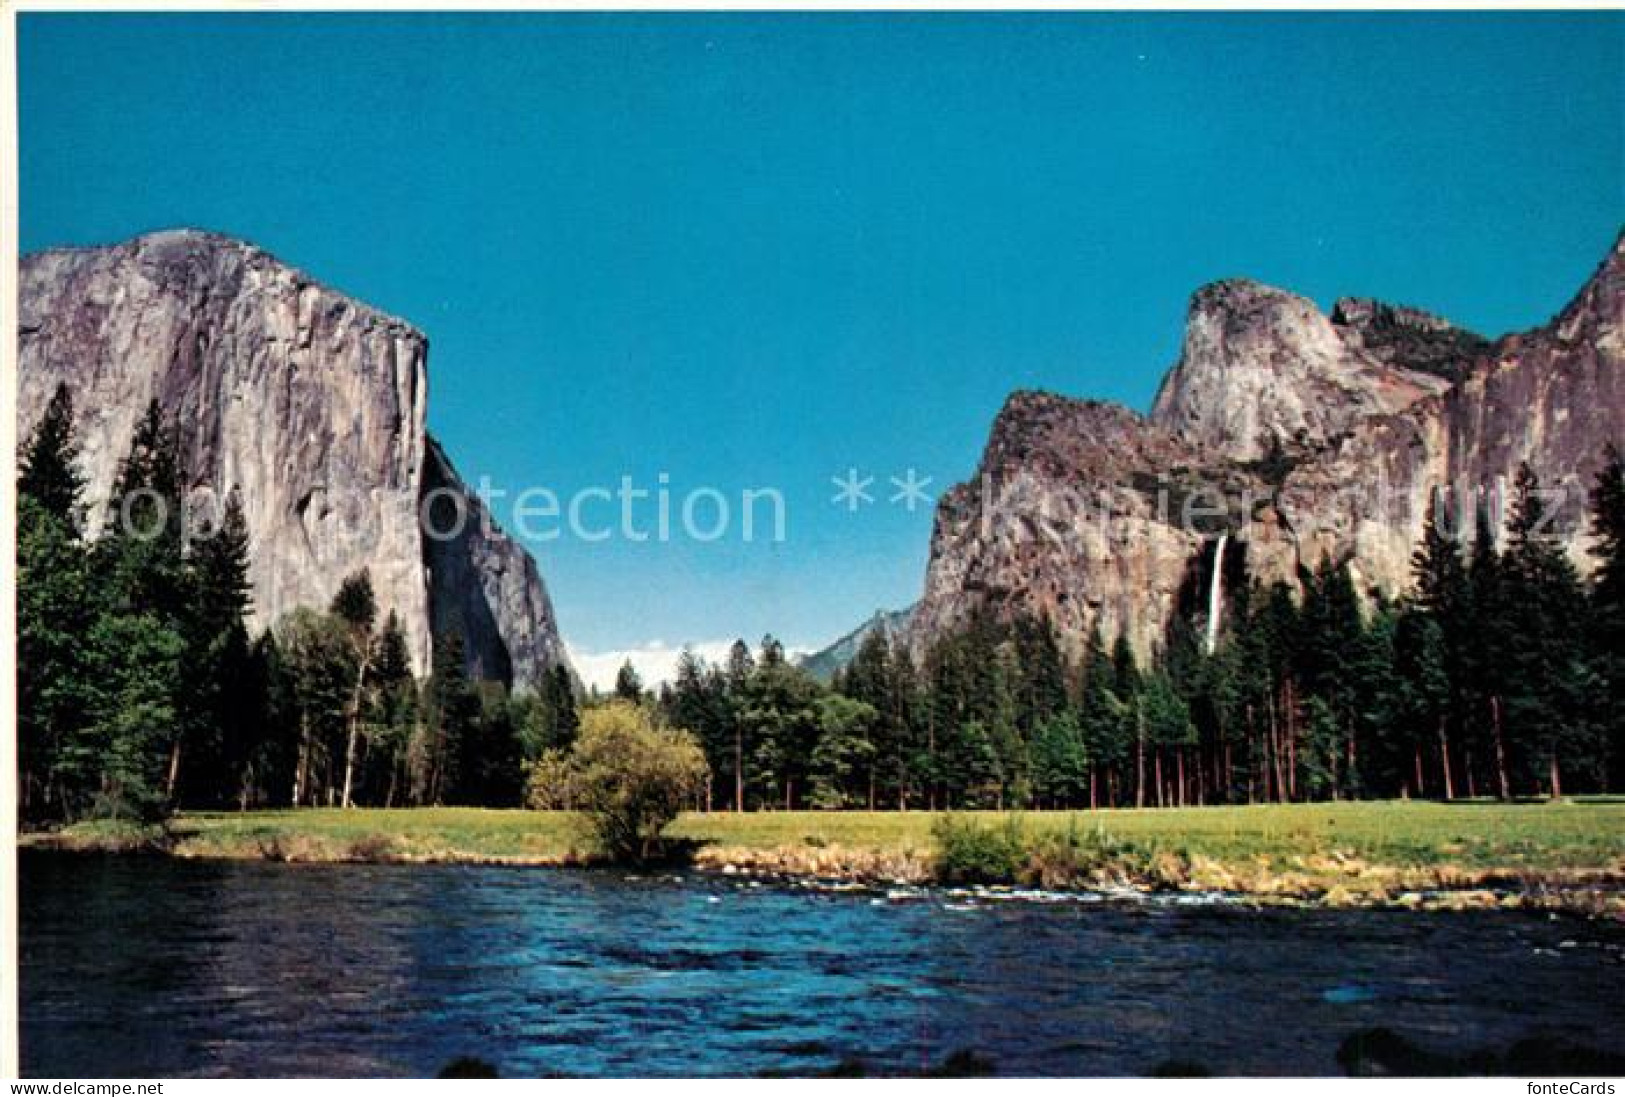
(9, 997)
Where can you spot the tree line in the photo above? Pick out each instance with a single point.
(1502, 675)
(142, 691)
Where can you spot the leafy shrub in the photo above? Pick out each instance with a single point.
(1005, 852)
(630, 777)
(1078, 855)
(550, 782)
(968, 852)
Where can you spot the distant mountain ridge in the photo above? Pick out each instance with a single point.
(824, 664)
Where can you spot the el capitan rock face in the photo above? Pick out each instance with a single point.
(308, 404)
(1294, 435)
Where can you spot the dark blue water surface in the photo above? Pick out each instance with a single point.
(151, 967)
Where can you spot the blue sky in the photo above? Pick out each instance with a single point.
(754, 251)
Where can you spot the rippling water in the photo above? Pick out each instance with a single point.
(149, 967)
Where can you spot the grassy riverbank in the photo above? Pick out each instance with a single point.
(1569, 853)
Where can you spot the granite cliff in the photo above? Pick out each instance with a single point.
(1282, 436)
(309, 405)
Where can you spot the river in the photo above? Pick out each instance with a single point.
(154, 967)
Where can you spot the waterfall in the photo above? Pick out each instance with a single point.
(1215, 594)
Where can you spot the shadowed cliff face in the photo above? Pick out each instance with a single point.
(484, 585)
(310, 405)
(1299, 435)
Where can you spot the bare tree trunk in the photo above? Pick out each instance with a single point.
(362, 664)
(1444, 759)
(1416, 759)
(1291, 742)
(931, 753)
(301, 769)
(1557, 779)
(1139, 759)
(1354, 761)
(174, 770)
(1276, 772)
(739, 769)
(1502, 783)
(349, 761)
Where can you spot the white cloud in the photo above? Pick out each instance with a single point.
(655, 662)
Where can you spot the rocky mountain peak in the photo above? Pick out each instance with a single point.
(1405, 338)
(1597, 312)
(1036, 426)
(1325, 436)
(1262, 369)
(306, 403)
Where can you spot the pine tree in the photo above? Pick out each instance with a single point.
(114, 766)
(1274, 704)
(1487, 647)
(1437, 656)
(881, 675)
(1426, 694)
(1127, 684)
(1330, 634)
(1100, 716)
(1608, 611)
(140, 563)
(1546, 706)
(49, 470)
(779, 715)
(1060, 761)
(209, 754)
(561, 707)
(739, 670)
(356, 609)
(219, 564)
(452, 709)
(55, 611)
(395, 708)
(488, 771)
(1041, 691)
(141, 551)
(55, 607)
(841, 769)
(273, 740)
(697, 703)
(316, 655)
(1168, 730)
(628, 686)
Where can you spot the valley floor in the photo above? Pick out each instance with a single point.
(1569, 854)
